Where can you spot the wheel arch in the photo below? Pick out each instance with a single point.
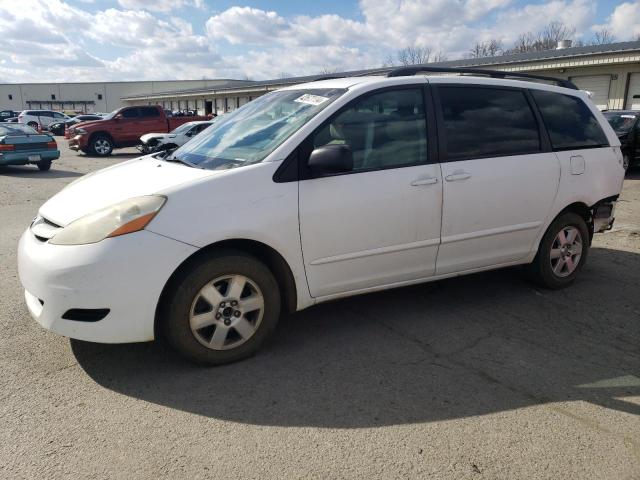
(274, 261)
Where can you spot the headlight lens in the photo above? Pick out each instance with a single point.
(129, 216)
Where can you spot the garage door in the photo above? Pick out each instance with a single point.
(633, 95)
(598, 85)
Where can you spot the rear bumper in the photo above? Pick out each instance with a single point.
(22, 157)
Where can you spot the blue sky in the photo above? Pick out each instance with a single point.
(82, 40)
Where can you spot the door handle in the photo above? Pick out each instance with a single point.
(424, 181)
(457, 175)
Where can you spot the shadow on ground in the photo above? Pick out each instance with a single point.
(468, 346)
(31, 171)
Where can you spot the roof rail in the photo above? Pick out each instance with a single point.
(328, 77)
(414, 69)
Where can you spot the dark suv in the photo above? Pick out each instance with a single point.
(627, 126)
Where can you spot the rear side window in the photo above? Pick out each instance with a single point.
(148, 112)
(487, 122)
(570, 123)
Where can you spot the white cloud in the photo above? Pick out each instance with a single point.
(160, 5)
(151, 39)
(624, 22)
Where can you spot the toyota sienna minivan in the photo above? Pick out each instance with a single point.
(319, 191)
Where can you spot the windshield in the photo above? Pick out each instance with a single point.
(16, 129)
(249, 134)
(109, 116)
(185, 127)
(621, 122)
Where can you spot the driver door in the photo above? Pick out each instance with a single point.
(378, 224)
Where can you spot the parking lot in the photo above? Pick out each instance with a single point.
(484, 376)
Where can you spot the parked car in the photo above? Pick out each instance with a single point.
(626, 124)
(34, 118)
(12, 120)
(122, 128)
(7, 114)
(320, 191)
(59, 127)
(153, 142)
(21, 145)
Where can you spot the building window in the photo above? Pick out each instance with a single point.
(99, 96)
(53, 97)
(10, 97)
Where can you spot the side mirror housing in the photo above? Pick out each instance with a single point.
(118, 117)
(331, 159)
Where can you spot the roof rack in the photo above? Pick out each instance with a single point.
(414, 69)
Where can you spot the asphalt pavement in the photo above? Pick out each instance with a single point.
(484, 376)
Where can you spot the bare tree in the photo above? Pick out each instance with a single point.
(545, 39)
(388, 61)
(327, 71)
(439, 57)
(489, 48)
(603, 37)
(414, 55)
(282, 75)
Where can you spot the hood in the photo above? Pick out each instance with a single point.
(89, 123)
(149, 136)
(137, 177)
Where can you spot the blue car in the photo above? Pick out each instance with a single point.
(21, 145)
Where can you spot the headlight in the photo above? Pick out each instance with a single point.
(128, 216)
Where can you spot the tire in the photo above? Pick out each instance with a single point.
(561, 271)
(626, 162)
(101, 145)
(204, 329)
(44, 165)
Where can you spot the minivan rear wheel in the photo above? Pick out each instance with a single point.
(562, 252)
(221, 308)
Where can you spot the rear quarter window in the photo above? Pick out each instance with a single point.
(570, 123)
(482, 122)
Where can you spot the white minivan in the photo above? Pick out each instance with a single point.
(318, 191)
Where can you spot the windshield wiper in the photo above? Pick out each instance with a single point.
(173, 158)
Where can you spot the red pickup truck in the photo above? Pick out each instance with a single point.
(122, 128)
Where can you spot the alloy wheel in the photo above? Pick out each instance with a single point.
(102, 146)
(566, 251)
(226, 312)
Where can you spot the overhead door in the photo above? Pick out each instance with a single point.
(598, 86)
(633, 94)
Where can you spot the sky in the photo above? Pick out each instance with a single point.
(110, 40)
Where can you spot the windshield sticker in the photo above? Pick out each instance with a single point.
(311, 99)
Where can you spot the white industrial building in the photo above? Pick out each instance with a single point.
(89, 97)
(610, 72)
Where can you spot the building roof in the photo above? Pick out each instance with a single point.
(244, 85)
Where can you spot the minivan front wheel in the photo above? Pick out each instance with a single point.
(222, 309)
(562, 252)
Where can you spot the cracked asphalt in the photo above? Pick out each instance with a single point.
(484, 376)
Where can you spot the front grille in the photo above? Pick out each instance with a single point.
(30, 146)
(44, 229)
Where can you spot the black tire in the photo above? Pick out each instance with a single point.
(626, 162)
(101, 145)
(541, 270)
(183, 292)
(44, 165)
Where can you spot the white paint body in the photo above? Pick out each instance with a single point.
(340, 235)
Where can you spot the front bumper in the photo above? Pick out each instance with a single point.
(123, 274)
(79, 142)
(22, 157)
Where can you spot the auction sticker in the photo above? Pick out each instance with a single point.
(311, 99)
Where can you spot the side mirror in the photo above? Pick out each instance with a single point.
(331, 159)
(118, 117)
